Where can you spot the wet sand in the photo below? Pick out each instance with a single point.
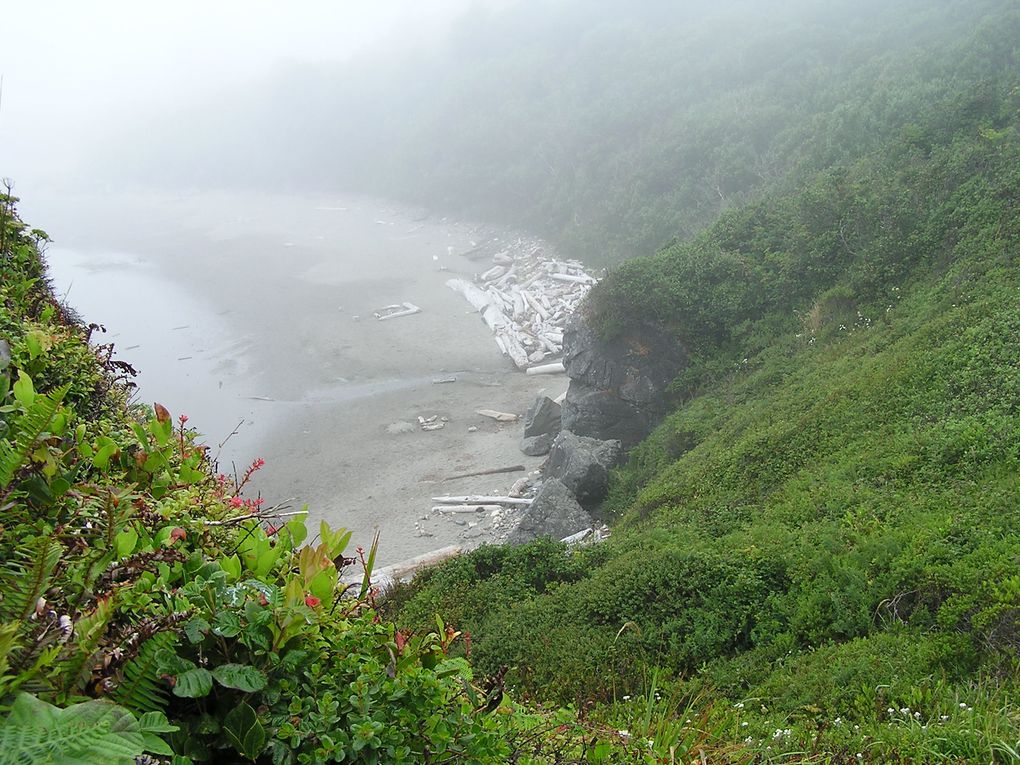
(285, 288)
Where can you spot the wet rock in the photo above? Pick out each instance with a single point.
(554, 514)
(543, 416)
(536, 446)
(582, 464)
(618, 386)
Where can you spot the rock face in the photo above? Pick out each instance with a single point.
(582, 465)
(554, 513)
(617, 387)
(541, 424)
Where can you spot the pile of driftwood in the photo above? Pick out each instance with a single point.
(525, 299)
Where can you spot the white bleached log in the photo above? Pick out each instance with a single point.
(407, 309)
(535, 305)
(384, 578)
(497, 416)
(483, 500)
(571, 278)
(547, 369)
(464, 509)
(573, 539)
(475, 296)
(493, 273)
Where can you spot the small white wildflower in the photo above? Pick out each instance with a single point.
(860, 756)
(624, 733)
(891, 711)
(857, 727)
(944, 718)
(838, 721)
(905, 711)
(962, 705)
(743, 724)
(626, 698)
(748, 740)
(917, 715)
(739, 705)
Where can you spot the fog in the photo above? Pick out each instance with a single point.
(77, 74)
(235, 189)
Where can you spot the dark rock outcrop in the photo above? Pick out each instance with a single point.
(617, 387)
(554, 514)
(582, 465)
(541, 424)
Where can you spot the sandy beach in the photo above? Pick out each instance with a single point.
(272, 298)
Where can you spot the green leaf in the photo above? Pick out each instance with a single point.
(231, 566)
(24, 391)
(243, 677)
(124, 543)
(107, 448)
(156, 745)
(196, 629)
(244, 731)
(193, 684)
(227, 624)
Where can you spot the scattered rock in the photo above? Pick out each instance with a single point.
(536, 446)
(519, 487)
(554, 513)
(582, 464)
(542, 417)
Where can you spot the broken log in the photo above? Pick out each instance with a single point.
(493, 471)
(497, 416)
(547, 369)
(482, 500)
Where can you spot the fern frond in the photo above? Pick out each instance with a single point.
(27, 430)
(91, 732)
(77, 661)
(141, 689)
(25, 578)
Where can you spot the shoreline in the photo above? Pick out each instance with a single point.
(321, 382)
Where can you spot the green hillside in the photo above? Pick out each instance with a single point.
(826, 528)
(815, 557)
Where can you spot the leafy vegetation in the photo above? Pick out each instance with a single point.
(821, 539)
(814, 557)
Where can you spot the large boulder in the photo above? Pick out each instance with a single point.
(542, 417)
(554, 514)
(582, 464)
(618, 386)
(541, 424)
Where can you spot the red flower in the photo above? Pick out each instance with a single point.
(262, 599)
(236, 501)
(311, 601)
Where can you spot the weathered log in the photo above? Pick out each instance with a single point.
(493, 471)
(573, 539)
(383, 579)
(464, 509)
(547, 369)
(482, 500)
(497, 416)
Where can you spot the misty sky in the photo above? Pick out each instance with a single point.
(75, 69)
